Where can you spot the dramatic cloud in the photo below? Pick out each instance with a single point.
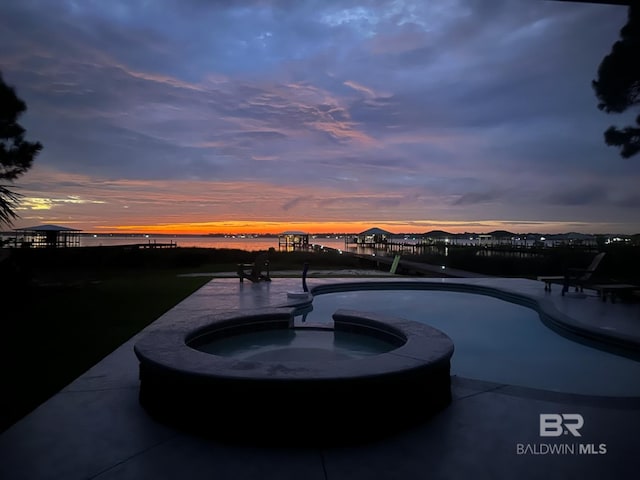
(403, 114)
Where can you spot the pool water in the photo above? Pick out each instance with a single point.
(496, 340)
(299, 344)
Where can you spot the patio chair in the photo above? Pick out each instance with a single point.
(254, 271)
(578, 277)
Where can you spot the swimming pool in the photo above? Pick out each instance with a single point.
(496, 340)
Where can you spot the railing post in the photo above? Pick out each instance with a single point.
(304, 277)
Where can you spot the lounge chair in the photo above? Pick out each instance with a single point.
(578, 277)
(254, 271)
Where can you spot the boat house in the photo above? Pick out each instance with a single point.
(373, 237)
(47, 236)
(293, 240)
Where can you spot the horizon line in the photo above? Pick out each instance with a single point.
(271, 234)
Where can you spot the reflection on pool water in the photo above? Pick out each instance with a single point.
(299, 344)
(496, 340)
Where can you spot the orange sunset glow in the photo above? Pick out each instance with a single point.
(261, 228)
(101, 205)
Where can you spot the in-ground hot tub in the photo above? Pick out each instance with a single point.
(256, 378)
(305, 344)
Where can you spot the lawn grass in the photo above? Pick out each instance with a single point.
(55, 332)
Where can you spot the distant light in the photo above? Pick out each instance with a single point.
(542, 239)
(95, 236)
(443, 267)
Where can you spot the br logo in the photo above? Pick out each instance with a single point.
(555, 425)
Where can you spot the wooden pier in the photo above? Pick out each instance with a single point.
(389, 246)
(407, 267)
(151, 245)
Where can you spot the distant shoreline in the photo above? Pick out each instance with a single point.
(433, 234)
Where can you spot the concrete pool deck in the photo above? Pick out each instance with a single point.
(95, 428)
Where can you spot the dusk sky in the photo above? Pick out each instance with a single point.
(191, 116)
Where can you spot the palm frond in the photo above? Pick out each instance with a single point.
(9, 202)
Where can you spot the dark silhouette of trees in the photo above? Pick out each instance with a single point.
(618, 84)
(16, 154)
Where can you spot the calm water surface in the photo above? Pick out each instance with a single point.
(296, 344)
(497, 341)
(246, 243)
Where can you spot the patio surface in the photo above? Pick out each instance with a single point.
(95, 428)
